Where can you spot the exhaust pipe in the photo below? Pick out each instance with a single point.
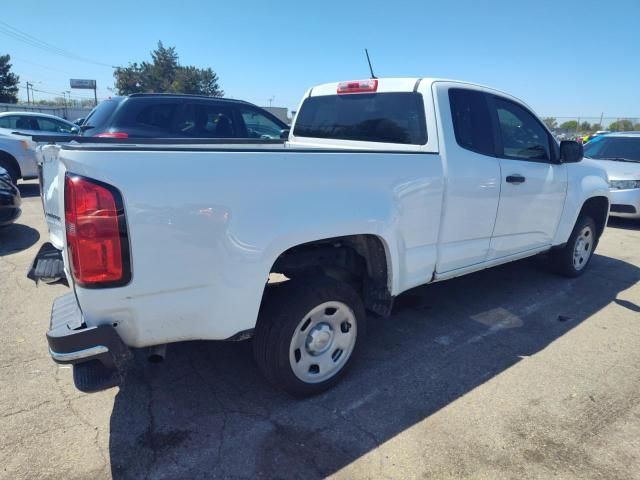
(157, 353)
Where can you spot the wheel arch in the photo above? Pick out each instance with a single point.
(361, 259)
(598, 209)
(11, 162)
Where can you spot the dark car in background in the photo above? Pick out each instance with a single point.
(156, 115)
(9, 199)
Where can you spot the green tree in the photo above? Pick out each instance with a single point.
(621, 126)
(585, 127)
(8, 81)
(164, 74)
(570, 125)
(596, 127)
(550, 122)
(636, 127)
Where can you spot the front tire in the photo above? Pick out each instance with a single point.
(572, 259)
(307, 334)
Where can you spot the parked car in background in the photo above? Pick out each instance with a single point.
(619, 153)
(17, 155)
(17, 151)
(155, 115)
(31, 122)
(599, 133)
(9, 199)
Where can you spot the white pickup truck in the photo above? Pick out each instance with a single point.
(383, 185)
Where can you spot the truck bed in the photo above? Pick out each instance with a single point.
(210, 218)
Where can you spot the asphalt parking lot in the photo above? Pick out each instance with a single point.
(507, 373)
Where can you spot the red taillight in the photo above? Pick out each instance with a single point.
(96, 233)
(112, 135)
(358, 86)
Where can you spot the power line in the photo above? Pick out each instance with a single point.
(24, 37)
(30, 87)
(13, 57)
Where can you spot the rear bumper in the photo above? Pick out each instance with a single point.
(98, 350)
(625, 203)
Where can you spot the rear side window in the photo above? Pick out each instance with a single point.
(471, 120)
(395, 117)
(156, 115)
(201, 120)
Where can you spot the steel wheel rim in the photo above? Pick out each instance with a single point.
(583, 248)
(322, 342)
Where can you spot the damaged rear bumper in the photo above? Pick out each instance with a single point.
(98, 354)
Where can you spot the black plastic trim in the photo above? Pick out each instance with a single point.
(621, 208)
(239, 150)
(125, 250)
(152, 141)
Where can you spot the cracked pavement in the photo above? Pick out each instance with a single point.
(507, 373)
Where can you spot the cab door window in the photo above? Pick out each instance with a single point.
(259, 126)
(49, 125)
(522, 137)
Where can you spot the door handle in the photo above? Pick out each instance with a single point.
(517, 179)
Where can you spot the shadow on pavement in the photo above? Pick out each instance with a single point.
(28, 190)
(206, 412)
(17, 237)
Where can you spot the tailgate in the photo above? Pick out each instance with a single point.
(51, 173)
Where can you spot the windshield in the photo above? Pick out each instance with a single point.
(396, 117)
(613, 148)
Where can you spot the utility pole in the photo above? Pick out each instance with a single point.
(28, 98)
(64, 99)
(95, 95)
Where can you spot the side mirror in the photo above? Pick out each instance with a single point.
(570, 151)
(75, 130)
(284, 133)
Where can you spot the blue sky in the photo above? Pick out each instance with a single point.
(562, 57)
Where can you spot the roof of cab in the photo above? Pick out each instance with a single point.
(404, 84)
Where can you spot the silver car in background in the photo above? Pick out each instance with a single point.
(17, 152)
(619, 154)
